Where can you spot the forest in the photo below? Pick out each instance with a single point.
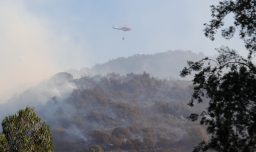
(123, 113)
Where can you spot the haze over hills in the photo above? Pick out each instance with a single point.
(119, 113)
(164, 65)
(126, 110)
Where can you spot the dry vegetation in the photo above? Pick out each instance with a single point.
(123, 113)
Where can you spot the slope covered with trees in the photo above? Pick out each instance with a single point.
(129, 113)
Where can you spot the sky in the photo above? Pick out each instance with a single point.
(41, 37)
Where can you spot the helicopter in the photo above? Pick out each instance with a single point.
(124, 29)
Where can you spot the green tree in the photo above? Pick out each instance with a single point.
(25, 132)
(228, 83)
(3, 143)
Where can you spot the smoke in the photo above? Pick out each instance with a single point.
(30, 49)
(56, 89)
(25, 56)
(113, 110)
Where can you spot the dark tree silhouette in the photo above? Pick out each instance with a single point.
(228, 82)
(244, 12)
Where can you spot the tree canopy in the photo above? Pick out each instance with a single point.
(3, 143)
(228, 83)
(25, 132)
(244, 13)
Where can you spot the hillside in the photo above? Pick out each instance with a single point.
(163, 65)
(128, 113)
(118, 112)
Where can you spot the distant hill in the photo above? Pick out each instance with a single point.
(161, 65)
(126, 110)
(119, 113)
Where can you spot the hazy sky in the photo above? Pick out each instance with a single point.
(41, 37)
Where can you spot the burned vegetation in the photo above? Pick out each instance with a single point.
(123, 113)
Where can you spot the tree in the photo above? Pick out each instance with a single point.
(95, 148)
(228, 83)
(244, 12)
(25, 132)
(3, 143)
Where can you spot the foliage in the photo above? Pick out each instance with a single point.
(230, 85)
(228, 82)
(3, 143)
(120, 113)
(25, 132)
(244, 12)
(96, 148)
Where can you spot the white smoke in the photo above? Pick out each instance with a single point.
(31, 49)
